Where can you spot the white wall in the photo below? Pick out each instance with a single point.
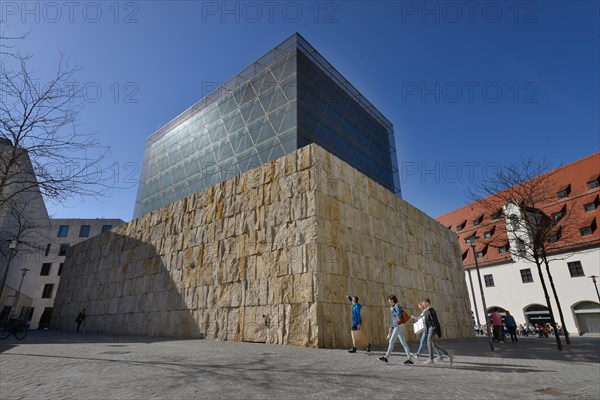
(513, 295)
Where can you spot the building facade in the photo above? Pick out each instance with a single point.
(512, 282)
(36, 246)
(289, 98)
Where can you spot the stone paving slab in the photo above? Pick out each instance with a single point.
(53, 365)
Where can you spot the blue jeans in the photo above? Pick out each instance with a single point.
(399, 333)
(423, 342)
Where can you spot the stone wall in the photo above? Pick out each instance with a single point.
(267, 256)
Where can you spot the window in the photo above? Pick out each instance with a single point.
(489, 233)
(26, 313)
(561, 194)
(47, 293)
(591, 206)
(63, 249)
(84, 231)
(60, 267)
(497, 214)
(460, 227)
(63, 231)
(46, 269)
(592, 184)
(575, 269)
(477, 221)
(554, 237)
(489, 280)
(47, 250)
(503, 249)
(526, 276)
(589, 229)
(557, 216)
(470, 239)
(106, 228)
(480, 254)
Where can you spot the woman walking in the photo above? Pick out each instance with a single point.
(397, 330)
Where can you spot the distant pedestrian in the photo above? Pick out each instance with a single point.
(497, 326)
(547, 330)
(511, 325)
(357, 325)
(80, 318)
(397, 330)
(432, 324)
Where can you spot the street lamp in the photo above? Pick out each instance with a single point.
(19, 291)
(595, 285)
(487, 321)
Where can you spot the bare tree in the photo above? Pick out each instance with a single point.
(38, 122)
(21, 227)
(525, 192)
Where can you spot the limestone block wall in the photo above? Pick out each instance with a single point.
(267, 256)
(376, 244)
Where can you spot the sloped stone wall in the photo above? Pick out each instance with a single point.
(268, 256)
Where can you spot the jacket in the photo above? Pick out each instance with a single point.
(431, 321)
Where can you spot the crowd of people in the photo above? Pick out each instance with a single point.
(505, 327)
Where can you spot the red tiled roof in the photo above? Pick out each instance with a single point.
(576, 174)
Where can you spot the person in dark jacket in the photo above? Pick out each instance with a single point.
(356, 321)
(432, 325)
(511, 325)
(80, 318)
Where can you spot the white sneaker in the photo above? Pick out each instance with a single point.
(429, 363)
(439, 358)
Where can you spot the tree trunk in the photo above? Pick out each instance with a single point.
(560, 313)
(538, 263)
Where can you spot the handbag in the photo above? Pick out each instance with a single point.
(403, 317)
(419, 326)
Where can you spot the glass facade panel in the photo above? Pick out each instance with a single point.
(289, 98)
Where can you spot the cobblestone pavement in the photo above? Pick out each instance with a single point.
(65, 365)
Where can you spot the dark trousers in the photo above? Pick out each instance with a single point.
(513, 333)
(498, 334)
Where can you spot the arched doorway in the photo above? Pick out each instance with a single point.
(587, 317)
(501, 310)
(537, 314)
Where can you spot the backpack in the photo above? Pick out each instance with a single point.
(403, 317)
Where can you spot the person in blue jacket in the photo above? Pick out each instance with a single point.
(356, 321)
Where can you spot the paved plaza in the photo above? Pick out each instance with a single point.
(66, 365)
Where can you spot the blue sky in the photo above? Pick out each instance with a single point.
(467, 85)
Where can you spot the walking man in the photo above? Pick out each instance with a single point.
(433, 328)
(497, 326)
(356, 323)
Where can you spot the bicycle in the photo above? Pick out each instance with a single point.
(14, 326)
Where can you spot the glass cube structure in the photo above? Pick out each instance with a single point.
(289, 98)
